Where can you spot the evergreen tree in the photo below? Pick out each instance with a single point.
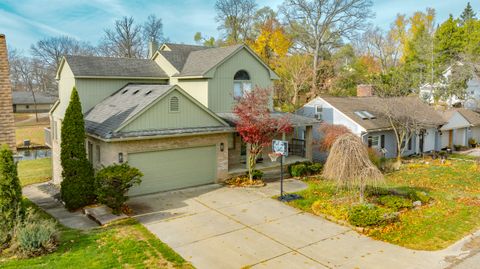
(10, 194)
(449, 43)
(467, 14)
(77, 186)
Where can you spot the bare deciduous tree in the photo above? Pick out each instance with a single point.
(153, 29)
(296, 73)
(124, 40)
(235, 18)
(318, 24)
(381, 46)
(51, 50)
(24, 68)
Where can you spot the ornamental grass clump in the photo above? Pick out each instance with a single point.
(35, 235)
(349, 166)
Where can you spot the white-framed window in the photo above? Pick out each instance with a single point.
(318, 109)
(241, 83)
(97, 147)
(174, 104)
(374, 141)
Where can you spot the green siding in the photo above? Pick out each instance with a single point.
(220, 87)
(174, 169)
(159, 117)
(92, 91)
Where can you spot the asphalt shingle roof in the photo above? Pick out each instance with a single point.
(349, 105)
(23, 97)
(179, 54)
(93, 66)
(107, 116)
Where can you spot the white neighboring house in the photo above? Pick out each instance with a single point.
(357, 114)
(472, 100)
(462, 124)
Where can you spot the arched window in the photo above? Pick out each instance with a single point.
(174, 104)
(241, 83)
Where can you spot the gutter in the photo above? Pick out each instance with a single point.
(122, 139)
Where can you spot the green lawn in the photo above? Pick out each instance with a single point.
(125, 244)
(454, 213)
(34, 171)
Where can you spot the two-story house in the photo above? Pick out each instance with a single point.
(169, 115)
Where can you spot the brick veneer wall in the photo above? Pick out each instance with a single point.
(7, 125)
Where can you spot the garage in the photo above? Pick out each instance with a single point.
(174, 169)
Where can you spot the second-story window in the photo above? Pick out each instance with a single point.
(241, 83)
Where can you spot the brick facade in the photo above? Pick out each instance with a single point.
(7, 124)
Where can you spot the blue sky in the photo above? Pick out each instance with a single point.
(26, 21)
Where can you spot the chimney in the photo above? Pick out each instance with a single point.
(364, 90)
(7, 127)
(152, 47)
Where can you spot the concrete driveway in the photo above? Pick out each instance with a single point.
(218, 227)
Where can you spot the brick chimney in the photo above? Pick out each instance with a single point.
(364, 90)
(7, 127)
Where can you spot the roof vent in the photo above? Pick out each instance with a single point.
(125, 91)
(135, 92)
(149, 92)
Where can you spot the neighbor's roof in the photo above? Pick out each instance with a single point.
(23, 97)
(105, 118)
(296, 120)
(349, 105)
(471, 116)
(93, 66)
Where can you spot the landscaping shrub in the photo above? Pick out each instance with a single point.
(375, 157)
(256, 174)
(419, 196)
(77, 188)
(10, 194)
(35, 235)
(472, 142)
(395, 202)
(113, 182)
(364, 215)
(300, 169)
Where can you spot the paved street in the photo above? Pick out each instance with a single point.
(217, 227)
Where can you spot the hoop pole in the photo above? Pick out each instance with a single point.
(281, 177)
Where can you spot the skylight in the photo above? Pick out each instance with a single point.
(364, 115)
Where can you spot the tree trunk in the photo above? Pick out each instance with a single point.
(35, 106)
(313, 90)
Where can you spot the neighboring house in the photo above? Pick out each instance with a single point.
(358, 115)
(170, 116)
(472, 92)
(23, 102)
(462, 124)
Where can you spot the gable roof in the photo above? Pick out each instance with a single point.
(349, 105)
(177, 54)
(201, 61)
(107, 118)
(93, 66)
(295, 119)
(24, 97)
(470, 116)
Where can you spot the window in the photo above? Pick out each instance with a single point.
(374, 141)
(241, 83)
(365, 115)
(318, 109)
(97, 148)
(174, 104)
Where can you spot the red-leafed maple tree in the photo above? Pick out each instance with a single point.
(330, 134)
(255, 123)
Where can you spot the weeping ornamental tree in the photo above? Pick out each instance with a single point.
(77, 187)
(349, 166)
(256, 125)
(10, 194)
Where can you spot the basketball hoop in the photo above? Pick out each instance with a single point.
(274, 156)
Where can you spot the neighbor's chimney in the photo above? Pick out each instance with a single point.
(364, 90)
(7, 131)
(152, 47)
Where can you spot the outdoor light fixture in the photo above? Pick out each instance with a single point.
(120, 157)
(222, 147)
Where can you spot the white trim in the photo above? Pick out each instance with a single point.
(362, 129)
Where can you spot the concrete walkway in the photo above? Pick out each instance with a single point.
(218, 227)
(45, 201)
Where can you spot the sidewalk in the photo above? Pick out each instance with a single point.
(75, 220)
